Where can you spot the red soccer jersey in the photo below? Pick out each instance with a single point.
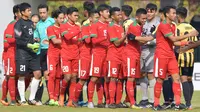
(115, 32)
(99, 37)
(9, 39)
(53, 32)
(133, 46)
(70, 33)
(164, 46)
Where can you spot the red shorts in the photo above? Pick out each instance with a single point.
(162, 66)
(98, 66)
(54, 67)
(114, 69)
(131, 67)
(84, 68)
(69, 66)
(9, 66)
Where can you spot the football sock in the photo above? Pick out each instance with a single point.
(177, 92)
(157, 92)
(34, 86)
(21, 89)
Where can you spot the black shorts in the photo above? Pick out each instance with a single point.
(43, 59)
(24, 67)
(186, 71)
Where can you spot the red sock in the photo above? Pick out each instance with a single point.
(100, 93)
(177, 92)
(27, 83)
(106, 89)
(63, 87)
(91, 87)
(78, 91)
(16, 89)
(72, 90)
(57, 88)
(4, 89)
(119, 92)
(12, 88)
(130, 91)
(157, 92)
(112, 91)
(51, 87)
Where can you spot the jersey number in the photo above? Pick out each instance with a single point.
(22, 68)
(65, 69)
(161, 72)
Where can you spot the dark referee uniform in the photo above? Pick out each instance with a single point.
(186, 60)
(26, 60)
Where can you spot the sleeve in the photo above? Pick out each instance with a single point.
(166, 30)
(18, 35)
(36, 33)
(9, 34)
(5, 42)
(69, 34)
(112, 34)
(50, 33)
(85, 34)
(94, 31)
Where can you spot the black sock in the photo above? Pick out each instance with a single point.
(171, 93)
(46, 81)
(81, 97)
(166, 90)
(186, 93)
(38, 96)
(191, 89)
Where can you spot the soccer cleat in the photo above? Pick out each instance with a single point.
(100, 105)
(47, 102)
(24, 103)
(51, 102)
(121, 105)
(158, 108)
(189, 107)
(39, 103)
(126, 103)
(135, 107)
(106, 105)
(61, 100)
(166, 106)
(12, 103)
(70, 104)
(180, 107)
(149, 105)
(90, 105)
(85, 104)
(56, 103)
(3, 102)
(112, 106)
(32, 102)
(75, 104)
(143, 103)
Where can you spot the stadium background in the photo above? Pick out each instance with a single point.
(6, 10)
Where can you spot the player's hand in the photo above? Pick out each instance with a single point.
(37, 39)
(34, 47)
(149, 38)
(193, 33)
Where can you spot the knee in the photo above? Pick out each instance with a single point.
(67, 78)
(94, 79)
(37, 74)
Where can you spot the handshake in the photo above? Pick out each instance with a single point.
(34, 47)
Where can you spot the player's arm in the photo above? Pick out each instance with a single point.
(153, 42)
(52, 36)
(5, 42)
(85, 35)
(20, 41)
(9, 34)
(68, 34)
(94, 35)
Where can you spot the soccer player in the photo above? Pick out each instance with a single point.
(165, 60)
(69, 54)
(85, 53)
(99, 49)
(132, 51)
(53, 55)
(26, 58)
(114, 55)
(63, 8)
(186, 60)
(40, 33)
(9, 60)
(147, 56)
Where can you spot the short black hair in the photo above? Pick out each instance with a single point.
(127, 9)
(103, 7)
(24, 6)
(161, 10)
(141, 11)
(35, 15)
(71, 10)
(56, 13)
(88, 5)
(63, 8)
(167, 9)
(151, 6)
(16, 9)
(113, 10)
(92, 12)
(182, 12)
(43, 6)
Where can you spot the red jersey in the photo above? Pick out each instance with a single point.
(133, 46)
(9, 40)
(115, 32)
(99, 37)
(85, 45)
(53, 32)
(70, 33)
(164, 46)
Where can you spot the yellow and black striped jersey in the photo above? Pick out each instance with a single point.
(186, 59)
(126, 24)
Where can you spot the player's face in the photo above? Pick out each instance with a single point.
(74, 16)
(35, 20)
(18, 15)
(150, 14)
(142, 19)
(27, 13)
(105, 14)
(60, 18)
(171, 15)
(43, 13)
(95, 17)
(117, 16)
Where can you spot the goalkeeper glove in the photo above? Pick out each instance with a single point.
(34, 47)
